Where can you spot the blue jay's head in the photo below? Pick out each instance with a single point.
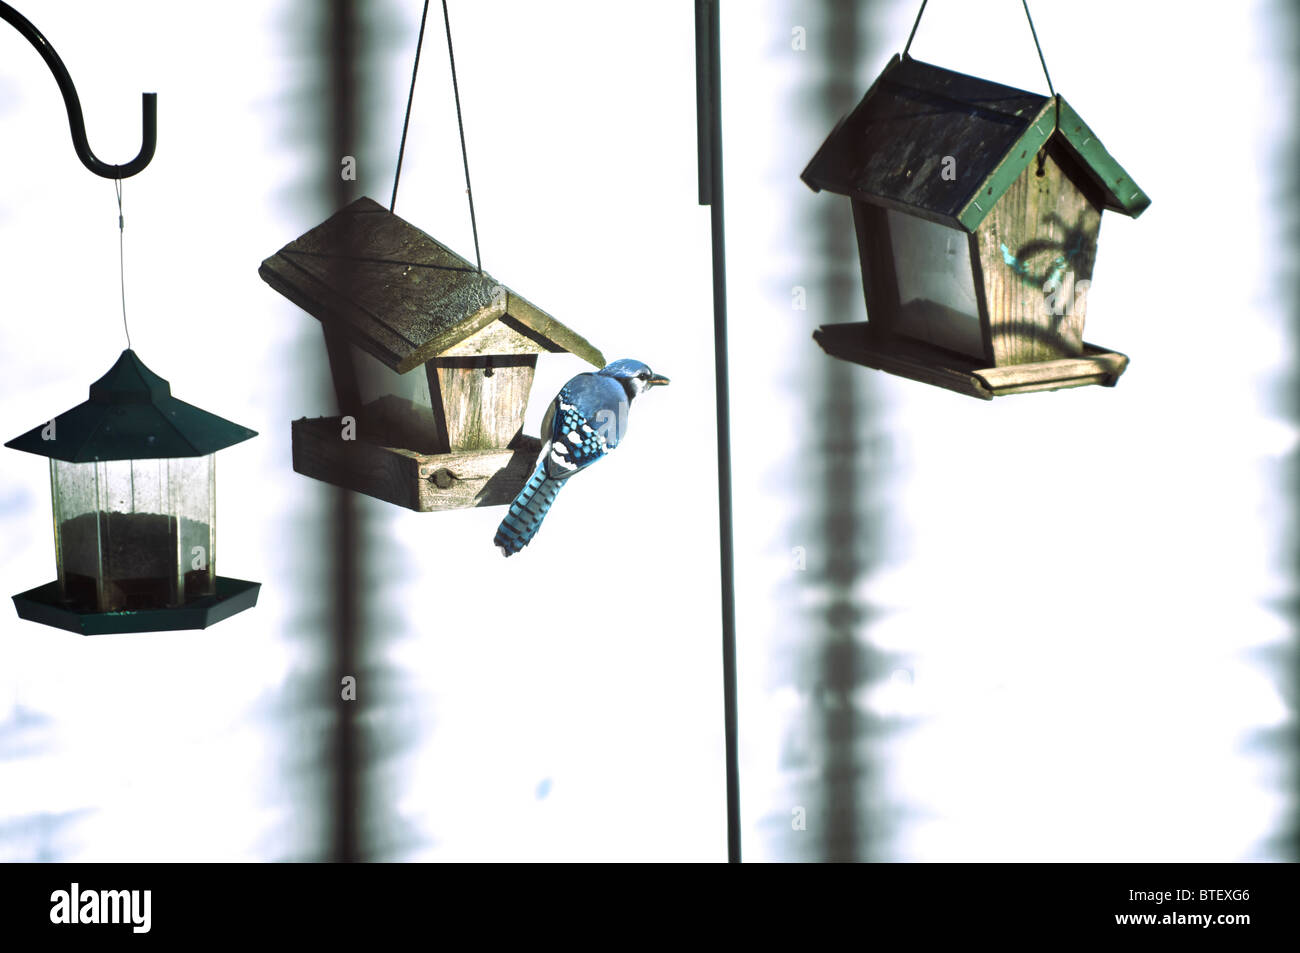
(633, 375)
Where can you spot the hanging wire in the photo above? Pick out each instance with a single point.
(121, 257)
(916, 23)
(460, 123)
(451, 57)
(1025, 3)
(392, 205)
(1050, 89)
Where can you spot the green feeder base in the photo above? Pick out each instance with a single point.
(43, 605)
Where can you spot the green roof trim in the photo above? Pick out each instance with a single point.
(1122, 193)
(890, 149)
(1018, 158)
(397, 292)
(131, 415)
(1058, 119)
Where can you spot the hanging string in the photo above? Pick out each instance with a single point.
(1034, 32)
(406, 123)
(460, 123)
(916, 23)
(451, 56)
(1039, 48)
(121, 257)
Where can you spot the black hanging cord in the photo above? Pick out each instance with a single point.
(461, 124)
(77, 122)
(915, 23)
(709, 129)
(1050, 89)
(121, 257)
(1034, 32)
(406, 123)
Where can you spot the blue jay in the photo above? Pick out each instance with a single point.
(586, 420)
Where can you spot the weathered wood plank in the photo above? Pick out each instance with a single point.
(503, 336)
(1086, 381)
(1044, 229)
(421, 482)
(859, 343)
(320, 451)
(1102, 364)
(566, 339)
(484, 411)
(397, 292)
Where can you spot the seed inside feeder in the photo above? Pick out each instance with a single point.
(140, 555)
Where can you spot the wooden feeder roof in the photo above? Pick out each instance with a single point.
(406, 298)
(132, 415)
(890, 150)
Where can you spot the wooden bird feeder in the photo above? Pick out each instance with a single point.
(977, 208)
(432, 363)
(133, 480)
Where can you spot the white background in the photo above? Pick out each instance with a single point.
(1070, 592)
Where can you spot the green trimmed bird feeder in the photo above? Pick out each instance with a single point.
(133, 481)
(977, 208)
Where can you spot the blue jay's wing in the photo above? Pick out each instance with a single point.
(588, 418)
(548, 422)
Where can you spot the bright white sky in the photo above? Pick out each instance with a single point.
(1072, 588)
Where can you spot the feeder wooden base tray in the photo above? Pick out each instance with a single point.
(859, 343)
(418, 481)
(44, 605)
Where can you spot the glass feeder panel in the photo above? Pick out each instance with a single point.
(191, 483)
(138, 535)
(134, 534)
(398, 408)
(77, 547)
(936, 286)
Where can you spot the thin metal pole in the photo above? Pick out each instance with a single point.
(708, 48)
(703, 89)
(345, 557)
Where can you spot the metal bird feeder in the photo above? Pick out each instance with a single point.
(133, 487)
(132, 477)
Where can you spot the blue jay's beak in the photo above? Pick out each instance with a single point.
(657, 379)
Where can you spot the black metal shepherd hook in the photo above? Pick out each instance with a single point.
(708, 117)
(148, 105)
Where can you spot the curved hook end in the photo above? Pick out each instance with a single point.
(148, 143)
(77, 124)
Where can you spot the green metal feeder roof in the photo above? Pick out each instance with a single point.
(131, 415)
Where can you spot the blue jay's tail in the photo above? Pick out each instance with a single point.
(527, 512)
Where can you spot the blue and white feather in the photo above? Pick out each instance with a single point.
(585, 422)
